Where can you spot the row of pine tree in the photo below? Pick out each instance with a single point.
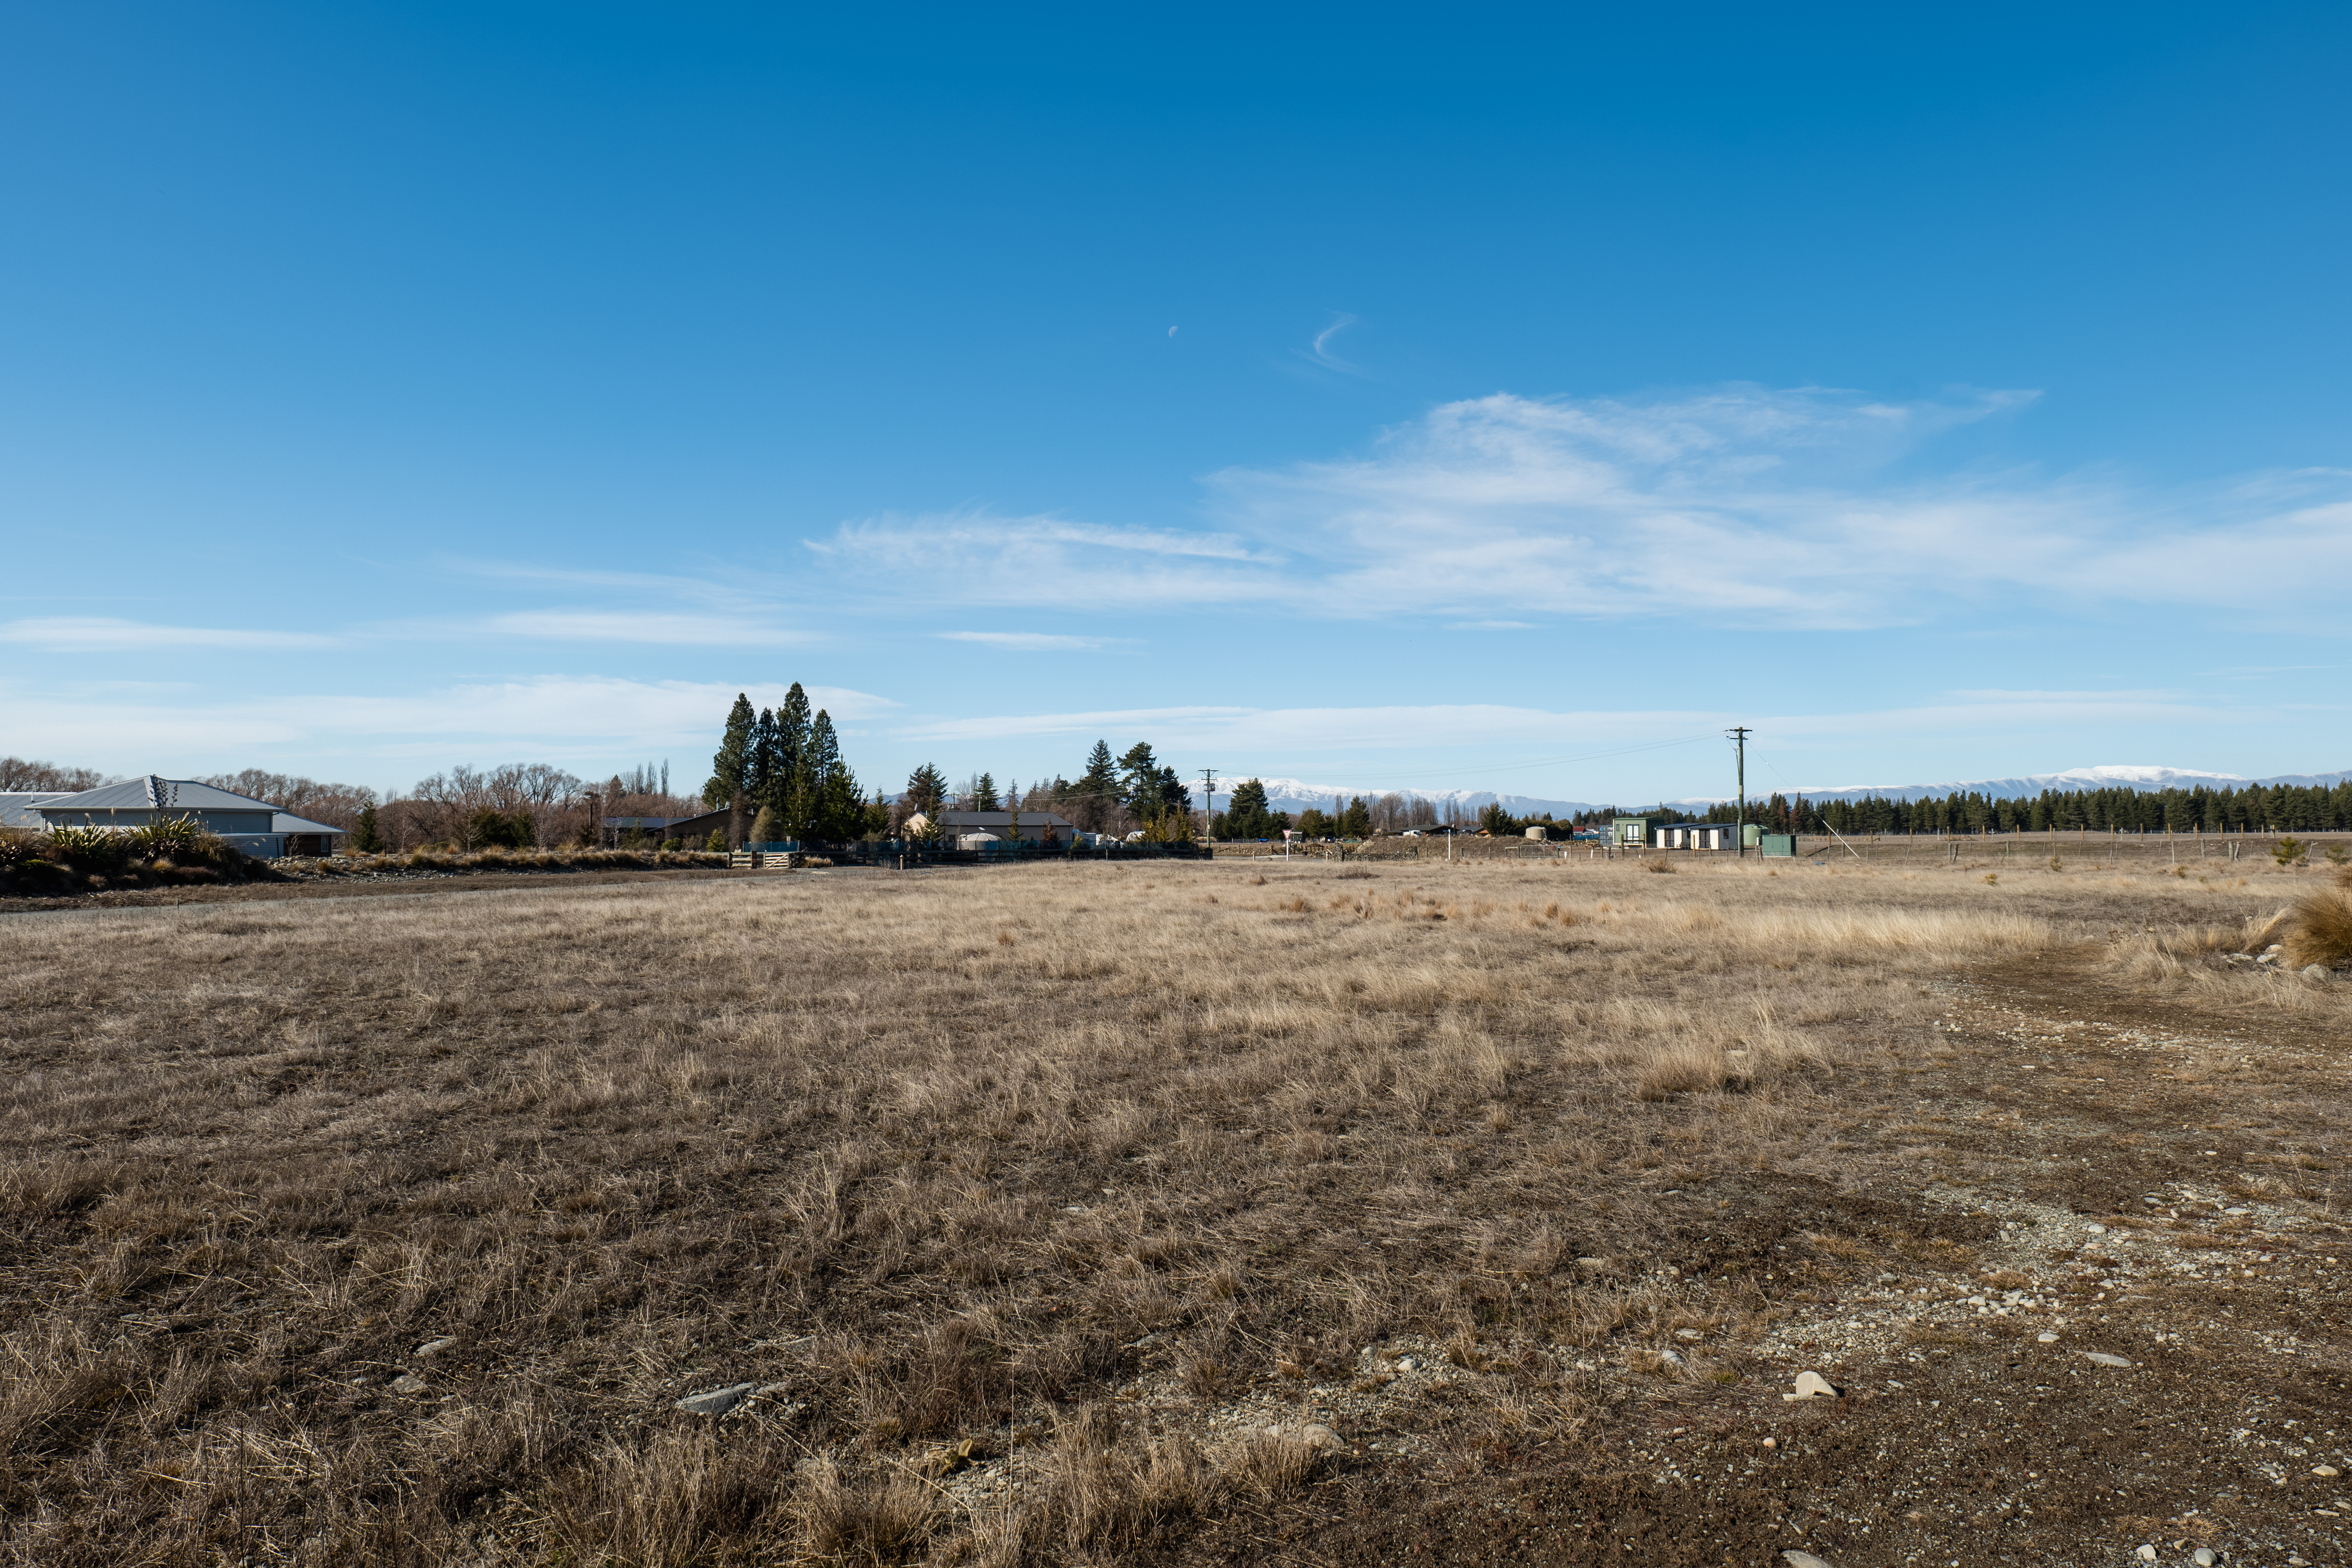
(2257, 808)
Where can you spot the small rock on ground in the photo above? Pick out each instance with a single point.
(716, 1401)
(407, 1382)
(1796, 1559)
(1813, 1386)
(433, 1347)
(2101, 1358)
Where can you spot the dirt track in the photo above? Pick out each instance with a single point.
(2064, 1106)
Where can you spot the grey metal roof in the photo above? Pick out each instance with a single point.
(16, 806)
(286, 822)
(131, 795)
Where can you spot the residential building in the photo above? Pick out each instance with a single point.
(255, 826)
(1045, 828)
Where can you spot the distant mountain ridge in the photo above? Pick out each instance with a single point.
(2073, 781)
(1296, 794)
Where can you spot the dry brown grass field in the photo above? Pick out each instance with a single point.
(1179, 1213)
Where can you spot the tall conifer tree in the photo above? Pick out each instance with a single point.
(926, 787)
(795, 789)
(728, 768)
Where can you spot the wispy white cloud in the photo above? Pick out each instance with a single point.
(646, 627)
(1292, 737)
(1740, 507)
(1031, 642)
(99, 634)
(977, 557)
(1320, 351)
(575, 721)
(733, 586)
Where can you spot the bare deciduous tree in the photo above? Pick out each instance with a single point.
(337, 805)
(18, 773)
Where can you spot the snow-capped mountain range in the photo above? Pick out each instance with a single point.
(1296, 794)
(2073, 780)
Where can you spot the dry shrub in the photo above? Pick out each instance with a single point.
(1269, 1465)
(1682, 1067)
(1098, 1495)
(873, 1519)
(675, 1498)
(2319, 928)
(55, 1387)
(1203, 1376)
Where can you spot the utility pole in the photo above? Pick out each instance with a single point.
(1738, 733)
(1208, 802)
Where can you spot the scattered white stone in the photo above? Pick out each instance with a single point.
(1321, 1438)
(1672, 1358)
(1796, 1559)
(2147, 1553)
(2237, 1211)
(2316, 971)
(716, 1401)
(2096, 1229)
(2328, 1470)
(2101, 1358)
(2045, 1339)
(2202, 1557)
(1812, 1385)
(1685, 1333)
(1771, 1442)
(432, 1347)
(407, 1382)
(1592, 1263)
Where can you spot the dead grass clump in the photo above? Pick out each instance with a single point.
(1268, 1465)
(875, 1520)
(2319, 929)
(662, 1501)
(1681, 1068)
(1099, 1496)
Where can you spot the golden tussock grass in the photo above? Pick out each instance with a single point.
(932, 1159)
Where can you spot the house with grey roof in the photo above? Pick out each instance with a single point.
(16, 808)
(255, 826)
(1046, 827)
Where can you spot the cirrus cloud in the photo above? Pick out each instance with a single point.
(105, 634)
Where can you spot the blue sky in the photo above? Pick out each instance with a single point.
(1367, 395)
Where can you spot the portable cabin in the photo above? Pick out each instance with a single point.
(1699, 836)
